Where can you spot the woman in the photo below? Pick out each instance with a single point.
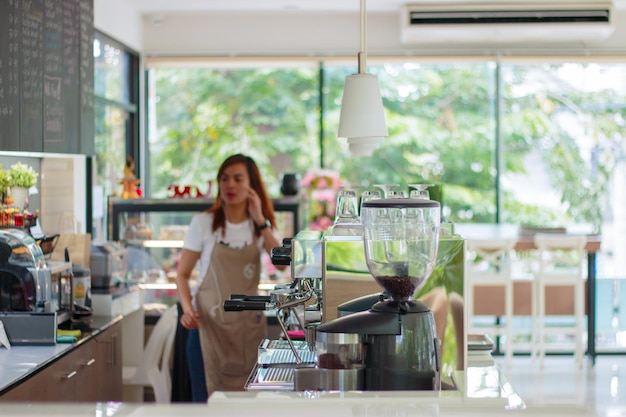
(228, 240)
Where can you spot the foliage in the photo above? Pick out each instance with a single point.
(449, 274)
(443, 120)
(5, 182)
(22, 175)
(206, 115)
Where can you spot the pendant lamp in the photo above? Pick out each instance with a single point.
(362, 117)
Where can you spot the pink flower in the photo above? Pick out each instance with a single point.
(321, 223)
(324, 195)
(308, 179)
(322, 185)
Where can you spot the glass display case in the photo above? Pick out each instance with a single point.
(153, 231)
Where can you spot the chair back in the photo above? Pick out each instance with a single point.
(560, 254)
(489, 257)
(155, 362)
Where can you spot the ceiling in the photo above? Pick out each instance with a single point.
(165, 6)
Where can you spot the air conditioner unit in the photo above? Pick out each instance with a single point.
(489, 23)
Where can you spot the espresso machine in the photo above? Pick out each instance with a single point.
(300, 301)
(389, 344)
(27, 307)
(393, 345)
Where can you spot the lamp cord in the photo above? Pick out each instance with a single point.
(362, 54)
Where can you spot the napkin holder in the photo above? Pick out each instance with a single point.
(29, 328)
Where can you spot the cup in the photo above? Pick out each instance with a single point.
(346, 211)
(396, 194)
(420, 191)
(368, 196)
(386, 188)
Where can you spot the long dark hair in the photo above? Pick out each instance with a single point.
(257, 184)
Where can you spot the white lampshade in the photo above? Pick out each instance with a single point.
(362, 149)
(362, 113)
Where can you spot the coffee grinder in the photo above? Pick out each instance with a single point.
(398, 347)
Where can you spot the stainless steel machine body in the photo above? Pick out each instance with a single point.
(316, 260)
(28, 301)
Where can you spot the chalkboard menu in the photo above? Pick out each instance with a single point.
(46, 75)
(9, 76)
(53, 56)
(86, 65)
(31, 69)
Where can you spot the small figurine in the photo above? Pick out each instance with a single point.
(130, 181)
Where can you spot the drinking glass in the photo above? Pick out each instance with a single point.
(386, 188)
(396, 194)
(347, 208)
(367, 196)
(420, 191)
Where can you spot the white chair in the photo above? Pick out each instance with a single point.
(561, 264)
(488, 276)
(154, 369)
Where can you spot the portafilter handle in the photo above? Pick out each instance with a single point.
(242, 302)
(281, 255)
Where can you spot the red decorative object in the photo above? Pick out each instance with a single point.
(188, 191)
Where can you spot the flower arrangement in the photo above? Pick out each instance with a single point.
(22, 175)
(321, 188)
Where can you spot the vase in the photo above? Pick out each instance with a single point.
(20, 197)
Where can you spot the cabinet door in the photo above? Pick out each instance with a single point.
(54, 383)
(87, 377)
(90, 373)
(109, 366)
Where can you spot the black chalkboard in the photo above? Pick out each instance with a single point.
(86, 63)
(31, 67)
(53, 112)
(9, 76)
(47, 76)
(61, 81)
(71, 75)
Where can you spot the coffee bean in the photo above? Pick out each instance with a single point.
(398, 287)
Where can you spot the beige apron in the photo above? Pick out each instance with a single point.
(229, 340)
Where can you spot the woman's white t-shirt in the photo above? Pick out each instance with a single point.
(200, 238)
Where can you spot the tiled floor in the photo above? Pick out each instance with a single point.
(601, 386)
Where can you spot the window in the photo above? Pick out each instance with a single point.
(199, 116)
(117, 126)
(533, 141)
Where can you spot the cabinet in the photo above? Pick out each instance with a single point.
(178, 211)
(108, 346)
(91, 372)
(153, 230)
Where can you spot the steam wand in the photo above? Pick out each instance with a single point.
(288, 305)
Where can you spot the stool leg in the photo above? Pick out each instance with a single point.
(508, 326)
(580, 314)
(541, 322)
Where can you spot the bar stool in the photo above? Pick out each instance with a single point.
(561, 264)
(490, 288)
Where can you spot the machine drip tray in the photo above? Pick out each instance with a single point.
(276, 364)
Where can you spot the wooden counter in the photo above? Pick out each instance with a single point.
(89, 370)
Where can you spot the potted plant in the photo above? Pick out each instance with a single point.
(4, 181)
(21, 178)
